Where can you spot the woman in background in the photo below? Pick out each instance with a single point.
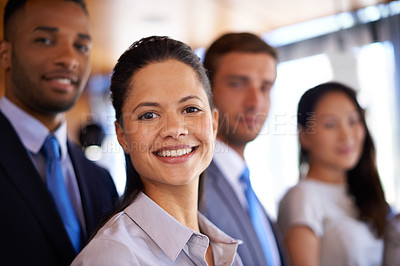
(336, 214)
(167, 126)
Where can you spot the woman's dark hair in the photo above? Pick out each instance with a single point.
(140, 54)
(363, 180)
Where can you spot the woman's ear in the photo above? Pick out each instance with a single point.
(304, 139)
(5, 52)
(121, 137)
(215, 116)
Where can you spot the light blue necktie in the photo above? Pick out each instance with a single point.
(256, 216)
(58, 189)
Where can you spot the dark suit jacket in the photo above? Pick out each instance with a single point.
(221, 206)
(32, 232)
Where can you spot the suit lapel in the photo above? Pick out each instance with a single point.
(227, 194)
(280, 242)
(241, 217)
(23, 174)
(76, 159)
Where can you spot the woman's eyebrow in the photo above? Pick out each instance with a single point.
(187, 98)
(152, 104)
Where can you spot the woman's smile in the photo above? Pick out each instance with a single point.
(174, 151)
(175, 155)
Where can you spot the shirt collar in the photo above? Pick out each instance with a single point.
(223, 245)
(228, 161)
(25, 124)
(147, 214)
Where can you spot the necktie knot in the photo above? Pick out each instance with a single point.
(51, 148)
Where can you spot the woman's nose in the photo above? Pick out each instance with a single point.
(174, 127)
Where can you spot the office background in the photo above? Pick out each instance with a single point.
(353, 41)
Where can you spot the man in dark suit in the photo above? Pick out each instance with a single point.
(45, 55)
(242, 70)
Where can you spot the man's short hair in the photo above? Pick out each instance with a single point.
(235, 42)
(14, 5)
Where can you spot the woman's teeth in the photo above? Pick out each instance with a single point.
(174, 153)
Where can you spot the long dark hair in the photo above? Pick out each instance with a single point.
(140, 54)
(363, 180)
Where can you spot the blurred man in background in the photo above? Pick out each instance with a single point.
(242, 71)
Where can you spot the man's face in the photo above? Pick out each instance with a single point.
(241, 92)
(48, 56)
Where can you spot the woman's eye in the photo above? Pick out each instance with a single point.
(329, 125)
(354, 121)
(147, 116)
(191, 109)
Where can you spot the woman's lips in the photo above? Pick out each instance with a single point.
(175, 155)
(345, 150)
(174, 152)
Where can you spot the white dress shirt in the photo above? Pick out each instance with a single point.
(232, 166)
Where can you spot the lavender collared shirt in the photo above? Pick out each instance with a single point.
(145, 234)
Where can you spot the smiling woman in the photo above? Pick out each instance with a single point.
(336, 214)
(167, 126)
(164, 116)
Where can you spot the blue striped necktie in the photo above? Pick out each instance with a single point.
(256, 216)
(56, 186)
